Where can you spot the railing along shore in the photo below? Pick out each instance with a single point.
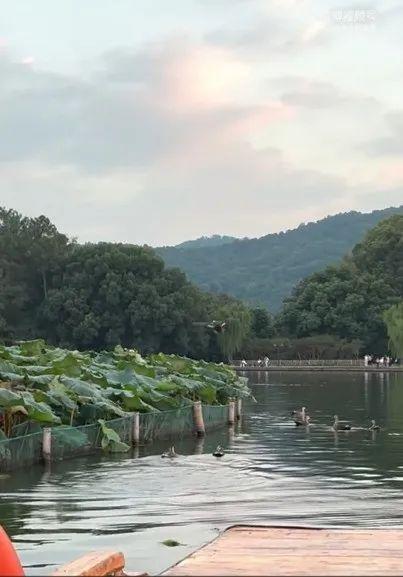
(314, 364)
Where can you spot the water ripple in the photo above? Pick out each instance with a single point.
(273, 472)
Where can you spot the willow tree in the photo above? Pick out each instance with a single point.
(393, 318)
(237, 329)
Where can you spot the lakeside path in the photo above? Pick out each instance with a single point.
(326, 368)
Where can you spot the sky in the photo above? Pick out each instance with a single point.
(155, 122)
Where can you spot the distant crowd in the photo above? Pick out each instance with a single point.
(260, 363)
(384, 361)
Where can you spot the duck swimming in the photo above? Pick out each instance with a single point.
(374, 426)
(299, 412)
(337, 427)
(170, 454)
(219, 452)
(300, 417)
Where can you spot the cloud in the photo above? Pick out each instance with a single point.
(156, 145)
(284, 27)
(269, 37)
(392, 143)
(308, 93)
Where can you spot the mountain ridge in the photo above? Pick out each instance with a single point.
(264, 270)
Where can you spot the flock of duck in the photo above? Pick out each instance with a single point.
(171, 454)
(302, 418)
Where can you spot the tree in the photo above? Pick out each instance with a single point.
(31, 250)
(262, 323)
(113, 294)
(382, 252)
(238, 321)
(348, 300)
(394, 322)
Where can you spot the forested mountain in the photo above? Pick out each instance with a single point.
(206, 241)
(265, 270)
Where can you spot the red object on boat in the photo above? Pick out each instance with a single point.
(10, 565)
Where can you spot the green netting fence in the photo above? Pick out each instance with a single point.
(123, 427)
(215, 416)
(20, 451)
(67, 442)
(166, 424)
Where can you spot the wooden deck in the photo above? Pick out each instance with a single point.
(281, 551)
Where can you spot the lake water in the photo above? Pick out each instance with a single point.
(273, 472)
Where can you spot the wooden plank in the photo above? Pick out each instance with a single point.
(95, 564)
(285, 551)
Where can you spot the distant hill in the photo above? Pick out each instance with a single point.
(265, 270)
(205, 241)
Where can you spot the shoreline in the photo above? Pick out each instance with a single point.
(323, 368)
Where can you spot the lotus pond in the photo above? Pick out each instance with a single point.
(43, 385)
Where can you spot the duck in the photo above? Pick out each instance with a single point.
(337, 427)
(374, 426)
(298, 412)
(300, 417)
(170, 454)
(219, 452)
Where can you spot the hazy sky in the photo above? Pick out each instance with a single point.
(163, 120)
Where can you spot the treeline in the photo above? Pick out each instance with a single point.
(350, 300)
(96, 296)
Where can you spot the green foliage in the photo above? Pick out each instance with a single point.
(97, 296)
(203, 241)
(238, 323)
(265, 270)
(262, 323)
(31, 253)
(394, 321)
(349, 300)
(110, 439)
(171, 543)
(315, 347)
(106, 385)
(382, 252)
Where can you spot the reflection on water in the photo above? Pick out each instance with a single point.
(273, 472)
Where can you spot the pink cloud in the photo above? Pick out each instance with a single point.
(391, 174)
(28, 61)
(203, 77)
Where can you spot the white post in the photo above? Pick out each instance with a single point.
(238, 409)
(231, 412)
(47, 444)
(136, 428)
(198, 419)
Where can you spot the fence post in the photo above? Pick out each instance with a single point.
(238, 409)
(136, 428)
(198, 418)
(47, 444)
(231, 412)
(198, 450)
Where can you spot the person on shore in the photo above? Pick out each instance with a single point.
(259, 362)
(366, 360)
(244, 363)
(266, 361)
